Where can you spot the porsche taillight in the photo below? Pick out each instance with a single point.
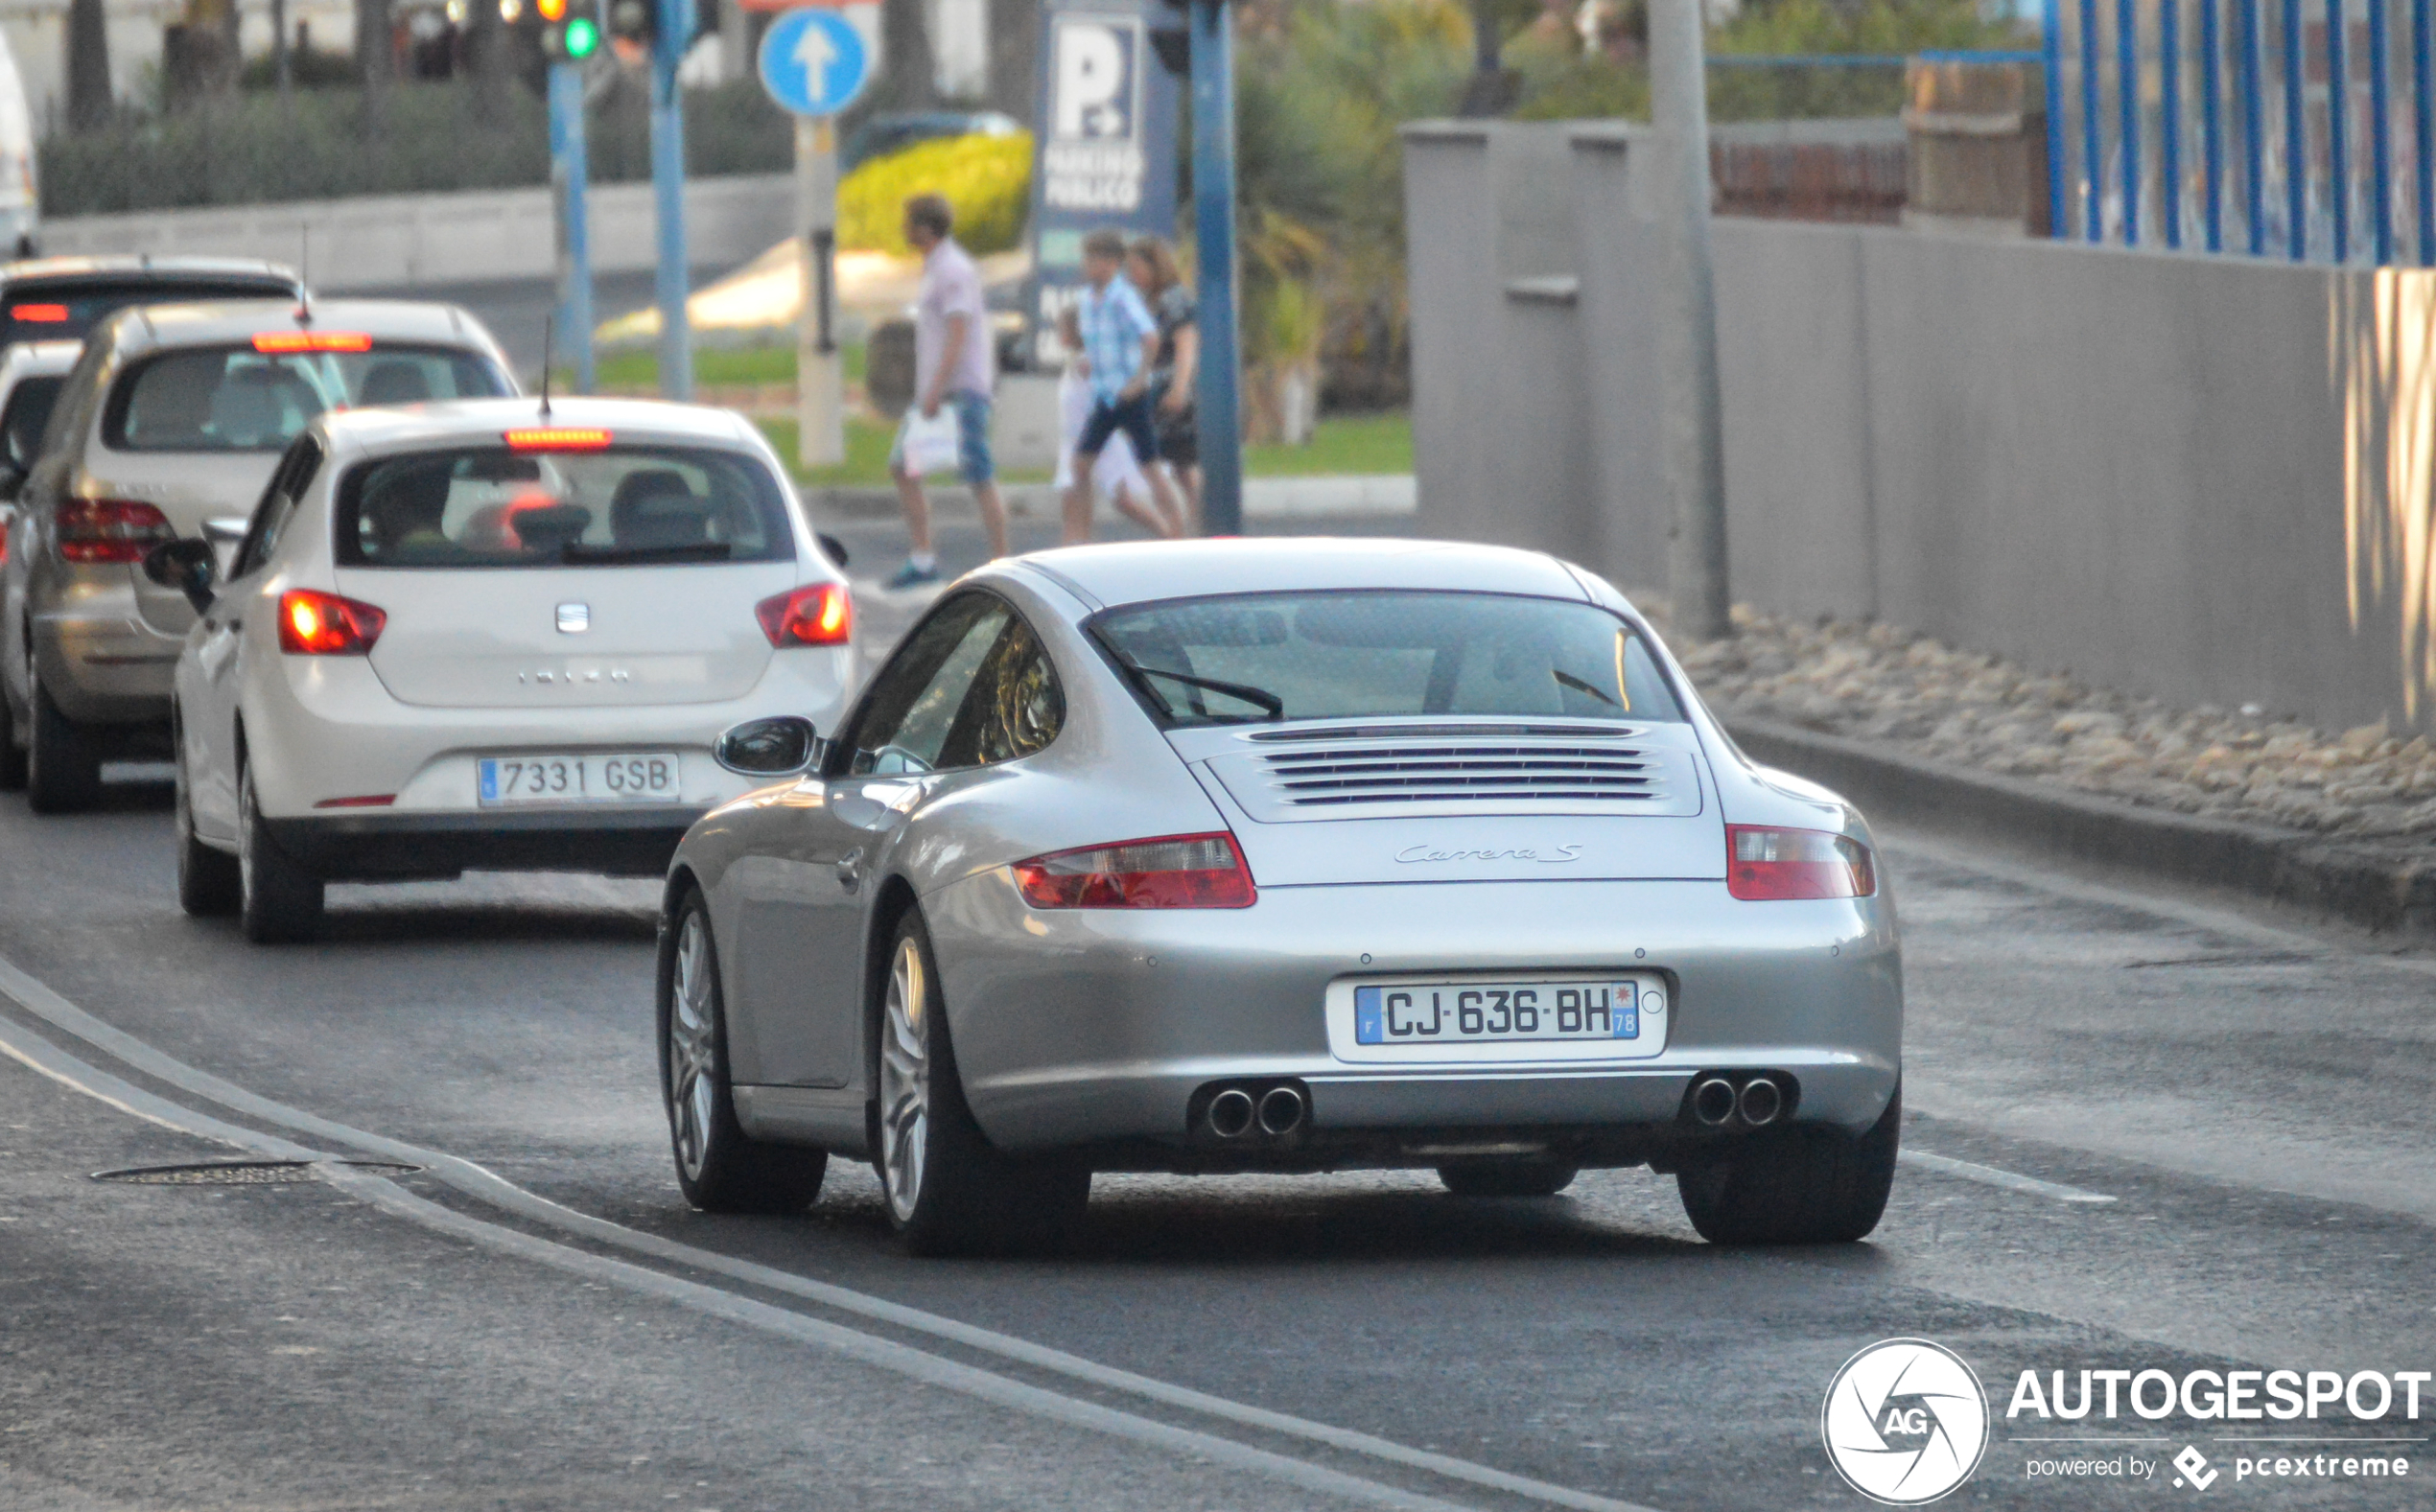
(324, 624)
(1170, 872)
(108, 530)
(1762, 864)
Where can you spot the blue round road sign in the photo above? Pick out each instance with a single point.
(813, 61)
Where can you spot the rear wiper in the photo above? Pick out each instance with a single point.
(575, 552)
(1568, 679)
(1273, 706)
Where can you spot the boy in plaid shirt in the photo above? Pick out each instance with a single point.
(1120, 344)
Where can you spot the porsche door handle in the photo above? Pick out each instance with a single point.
(849, 869)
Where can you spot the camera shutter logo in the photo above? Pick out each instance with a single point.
(1928, 1399)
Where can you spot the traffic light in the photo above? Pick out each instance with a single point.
(634, 21)
(570, 28)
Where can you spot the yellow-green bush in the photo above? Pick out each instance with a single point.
(986, 179)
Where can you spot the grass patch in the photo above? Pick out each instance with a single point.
(866, 464)
(1340, 444)
(723, 365)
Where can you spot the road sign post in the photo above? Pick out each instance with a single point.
(668, 185)
(820, 377)
(569, 172)
(815, 62)
(1218, 395)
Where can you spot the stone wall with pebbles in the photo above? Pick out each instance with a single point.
(1878, 683)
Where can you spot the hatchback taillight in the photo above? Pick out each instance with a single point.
(1762, 864)
(814, 614)
(324, 624)
(108, 530)
(1172, 872)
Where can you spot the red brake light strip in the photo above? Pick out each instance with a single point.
(558, 439)
(281, 342)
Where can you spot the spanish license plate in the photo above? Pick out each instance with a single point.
(621, 779)
(1491, 1013)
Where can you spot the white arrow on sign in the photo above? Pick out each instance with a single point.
(815, 52)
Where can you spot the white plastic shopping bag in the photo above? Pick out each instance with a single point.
(932, 445)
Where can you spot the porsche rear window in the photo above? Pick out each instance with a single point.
(487, 507)
(235, 399)
(1257, 657)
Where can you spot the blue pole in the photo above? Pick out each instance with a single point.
(2423, 129)
(668, 192)
(2380, 134)
(2092, 156)
(2051, 64)
(2253, 146)
(2212, 118)
(569, 172)
(2296, 167)
(2170, 119)
(2127, 107)
(2338, 127)
(1213, 91)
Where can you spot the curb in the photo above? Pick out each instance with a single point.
(2378, 890)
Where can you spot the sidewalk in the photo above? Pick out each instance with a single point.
(1360, 496)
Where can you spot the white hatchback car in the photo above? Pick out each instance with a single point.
(486, 634)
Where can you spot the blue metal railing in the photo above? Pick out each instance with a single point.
(2195, 132)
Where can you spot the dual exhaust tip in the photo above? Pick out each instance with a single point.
(1234, 1113)
(1759, 1101)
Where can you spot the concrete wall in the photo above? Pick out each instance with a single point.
(401, 241)
(2209, 479)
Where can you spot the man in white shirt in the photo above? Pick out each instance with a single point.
(954, 367)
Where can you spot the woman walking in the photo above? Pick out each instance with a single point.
(1151, 264)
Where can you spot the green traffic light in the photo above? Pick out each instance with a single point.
(584, 37)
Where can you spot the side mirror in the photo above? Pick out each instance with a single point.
(12, 479)
(188, 565)
(780, 746)
(834, 549)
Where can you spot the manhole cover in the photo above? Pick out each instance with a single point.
(239, 1173)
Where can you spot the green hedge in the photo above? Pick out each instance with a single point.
(253, 150)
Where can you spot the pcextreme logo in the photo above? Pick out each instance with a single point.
(1904, 1422)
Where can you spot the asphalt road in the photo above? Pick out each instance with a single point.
(2253, 1098)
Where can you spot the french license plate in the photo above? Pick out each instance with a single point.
(626, 778)
(1477, 1012)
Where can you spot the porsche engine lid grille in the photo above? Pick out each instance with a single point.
(1365, 773)
(1340, 776)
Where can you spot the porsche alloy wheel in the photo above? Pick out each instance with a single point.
(718, 1168)
(948, 1191)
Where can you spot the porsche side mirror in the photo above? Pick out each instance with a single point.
(188, 565)
(779, 746)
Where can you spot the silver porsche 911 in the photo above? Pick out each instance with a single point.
(1284, 855)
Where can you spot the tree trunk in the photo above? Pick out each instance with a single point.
(486, 53)
(909, 80)
(89, 96)
(376, 61)
(1015, 55)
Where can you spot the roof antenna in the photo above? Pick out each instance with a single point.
(548, 324)
(304, 274)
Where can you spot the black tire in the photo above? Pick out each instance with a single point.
(12, 754)
(278, 903)
(1798, 1186)
(719, 1169)
(948, 1192)
(63, 771)
(1507, 1177)
(210, 883)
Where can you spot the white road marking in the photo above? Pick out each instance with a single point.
(1990, 1175)
(473, 1181)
